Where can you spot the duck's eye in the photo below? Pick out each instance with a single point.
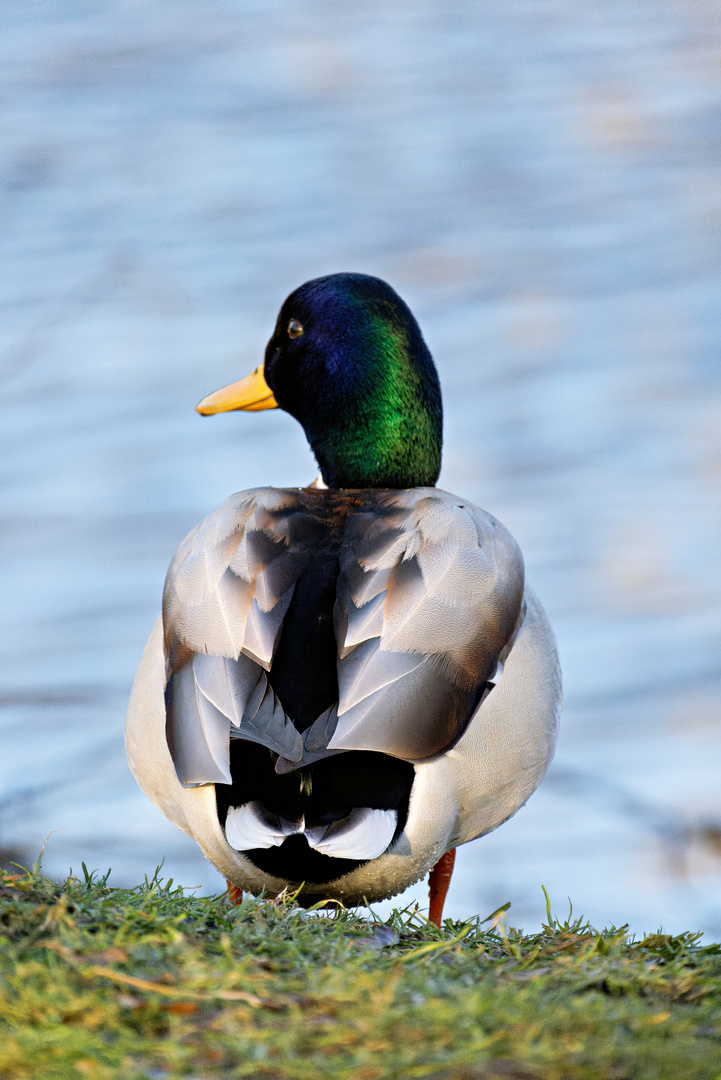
(295, 329)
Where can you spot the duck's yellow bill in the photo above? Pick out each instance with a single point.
(251, 394)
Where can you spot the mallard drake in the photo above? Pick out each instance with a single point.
(351, 679)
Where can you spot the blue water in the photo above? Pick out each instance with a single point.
(542, 182)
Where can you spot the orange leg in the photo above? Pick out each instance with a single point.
(438, 882)
(235, 895)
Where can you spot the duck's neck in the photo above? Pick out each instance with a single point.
(387, 432)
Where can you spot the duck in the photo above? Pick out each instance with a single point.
(351, 679)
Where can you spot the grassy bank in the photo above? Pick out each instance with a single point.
(100, 982)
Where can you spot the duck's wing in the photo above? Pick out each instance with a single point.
(429, 599)
(226, 593)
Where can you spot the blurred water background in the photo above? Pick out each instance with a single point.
(541, 181)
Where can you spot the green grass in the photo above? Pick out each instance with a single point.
(148, 982)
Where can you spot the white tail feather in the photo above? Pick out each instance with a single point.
(364, 834)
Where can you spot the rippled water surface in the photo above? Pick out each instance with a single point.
(542, 183)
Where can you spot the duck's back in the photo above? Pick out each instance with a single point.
(314, 621)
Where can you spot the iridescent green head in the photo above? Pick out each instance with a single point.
(348, 360)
